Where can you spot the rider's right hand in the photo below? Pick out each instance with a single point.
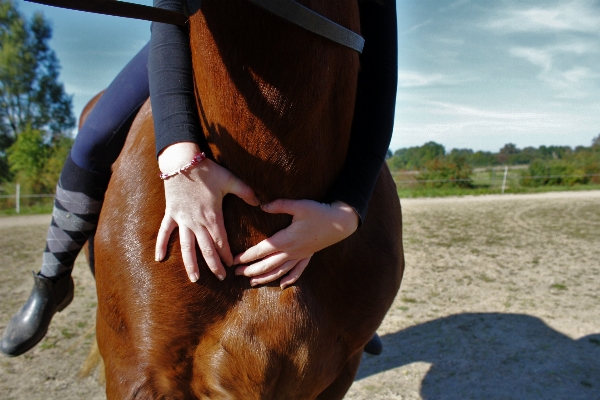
(194, 202)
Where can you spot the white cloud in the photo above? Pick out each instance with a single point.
(575, 16)
(571, 82)
(577, 74)
(481, 114)
(539, 57)
(464, 126)
(416, 27)
(452, 42)
(415, 79)
(454, 5)
(408, 79)
(576, 47)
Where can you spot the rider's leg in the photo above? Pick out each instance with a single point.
(374, 346)
(79, 196)
(85, 176)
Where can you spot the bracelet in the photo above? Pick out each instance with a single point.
(195, 161)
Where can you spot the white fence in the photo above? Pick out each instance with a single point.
(18, 196)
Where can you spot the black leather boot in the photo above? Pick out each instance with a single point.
(374, 346)
(30, 324)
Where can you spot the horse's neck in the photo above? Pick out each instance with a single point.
(275, 101)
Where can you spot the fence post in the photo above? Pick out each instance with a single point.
(504, 179)
(18, 199)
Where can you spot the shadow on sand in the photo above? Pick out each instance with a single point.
(493, 356)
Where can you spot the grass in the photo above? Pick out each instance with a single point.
(485, 181)
(485, 278)
(558, 286)
(483, 190)
(408, 300)
(67, 334)
(41, 208)
(47, 345)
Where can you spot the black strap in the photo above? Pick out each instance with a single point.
(306, 18)
(119, 9)
(288, 10)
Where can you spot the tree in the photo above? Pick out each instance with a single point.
(31, 97)
(36, 164)
(508, 150)
(483, 159)
(417, 157)
(443, 172)
(27, 157)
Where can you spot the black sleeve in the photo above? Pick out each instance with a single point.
(375, 106)
(171, 82)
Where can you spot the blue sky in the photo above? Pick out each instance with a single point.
(472, 74)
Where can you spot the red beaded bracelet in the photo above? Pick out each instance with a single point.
(195, 161)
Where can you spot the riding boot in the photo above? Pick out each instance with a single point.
(79, 196)
(374, 346)
(30, 324)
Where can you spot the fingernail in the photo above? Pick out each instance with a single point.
(221, 277)
(157, 257)
(193, 277)
(253, 283)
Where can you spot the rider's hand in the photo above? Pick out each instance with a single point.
(314, 226)
(194, 201)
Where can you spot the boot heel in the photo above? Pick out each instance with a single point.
(68, 299)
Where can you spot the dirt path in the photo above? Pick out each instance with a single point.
(25, 220)
(500, 300)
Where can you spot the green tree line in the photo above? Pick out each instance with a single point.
(580, 166)
(36, 118)
(548, 165)
(415, 158)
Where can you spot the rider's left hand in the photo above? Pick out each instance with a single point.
(314, 227)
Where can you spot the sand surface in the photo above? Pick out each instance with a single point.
(500, 300)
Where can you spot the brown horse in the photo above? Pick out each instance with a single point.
(276, 106)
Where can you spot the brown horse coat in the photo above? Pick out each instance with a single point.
(276, 107)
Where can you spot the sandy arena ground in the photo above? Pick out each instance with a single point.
(500, 300)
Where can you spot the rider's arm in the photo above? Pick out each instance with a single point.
(375, 105)
(316, 225)
(171, 82)
(178, 132)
